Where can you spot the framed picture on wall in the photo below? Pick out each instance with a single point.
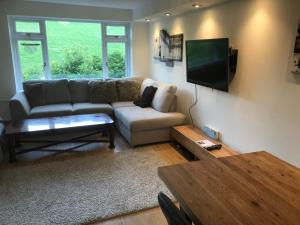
(168, 48)
(176, 46)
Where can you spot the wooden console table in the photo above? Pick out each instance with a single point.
(187, 137)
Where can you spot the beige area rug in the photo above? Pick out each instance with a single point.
(80, 189)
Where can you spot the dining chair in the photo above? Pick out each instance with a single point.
(173, 215)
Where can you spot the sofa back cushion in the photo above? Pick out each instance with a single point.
(56, 91)
(163, 97)
(103, 91)
(128, 90)
(35, 94)
(79, 90)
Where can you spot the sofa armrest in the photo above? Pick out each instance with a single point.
(19, 106)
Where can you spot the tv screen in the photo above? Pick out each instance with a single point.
(207, 63)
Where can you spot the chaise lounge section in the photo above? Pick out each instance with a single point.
(49, 98)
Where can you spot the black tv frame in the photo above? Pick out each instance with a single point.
(204, 83)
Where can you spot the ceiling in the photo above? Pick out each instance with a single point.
(142, 9)
(120, 4)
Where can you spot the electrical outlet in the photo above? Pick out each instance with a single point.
(211, 132)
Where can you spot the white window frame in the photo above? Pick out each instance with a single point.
(117, 39)
(15, 37)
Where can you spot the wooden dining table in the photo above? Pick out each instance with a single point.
(254, 188)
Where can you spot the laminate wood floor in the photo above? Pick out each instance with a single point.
(146, 217)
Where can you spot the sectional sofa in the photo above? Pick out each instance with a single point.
(48, 98)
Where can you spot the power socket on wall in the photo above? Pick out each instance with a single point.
(211, 132)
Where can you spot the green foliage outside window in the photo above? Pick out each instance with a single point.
(74, 51)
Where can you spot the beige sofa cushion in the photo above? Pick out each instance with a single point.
(140, 119)
(122, 104)
(163, 97)
(57, 91)
(128, 90)
(51, 110)
(35, 94)
(88, 108)
(79, 90)
(103, 91)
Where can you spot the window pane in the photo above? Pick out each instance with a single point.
(116, 30)
(75, 49)
(31, 60)
(116, 59)
(27, 27)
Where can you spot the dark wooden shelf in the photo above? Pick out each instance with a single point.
(187, 137)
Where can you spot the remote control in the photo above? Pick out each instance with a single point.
(214, 147)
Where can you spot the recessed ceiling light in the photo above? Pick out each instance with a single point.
(196, 6)
(147, 20)
(168, 14)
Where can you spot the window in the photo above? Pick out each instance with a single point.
(55, 49)
(115, 30)
(27, 27)
(31, 59)
(74, 49)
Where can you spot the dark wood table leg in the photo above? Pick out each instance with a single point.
(11, 148)
(111, 136)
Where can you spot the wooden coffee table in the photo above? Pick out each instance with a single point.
(93, 124)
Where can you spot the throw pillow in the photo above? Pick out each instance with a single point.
(163, 97)
(128, 90)
(103, 91)
(146, 83)
(147, 97)
(35, 94)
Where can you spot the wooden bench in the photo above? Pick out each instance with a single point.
(187, 137)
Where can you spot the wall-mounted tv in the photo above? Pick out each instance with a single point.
(207, 63)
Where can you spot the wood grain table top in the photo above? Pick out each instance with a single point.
(255, 188)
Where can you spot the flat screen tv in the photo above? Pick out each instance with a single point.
(207, 63)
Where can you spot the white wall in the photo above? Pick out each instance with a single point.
(262, 109)
(19, 7)
(140, 49)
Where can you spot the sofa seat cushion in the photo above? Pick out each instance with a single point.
(122, 104)
(51, 110)
(141, 119)
(88, 108)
